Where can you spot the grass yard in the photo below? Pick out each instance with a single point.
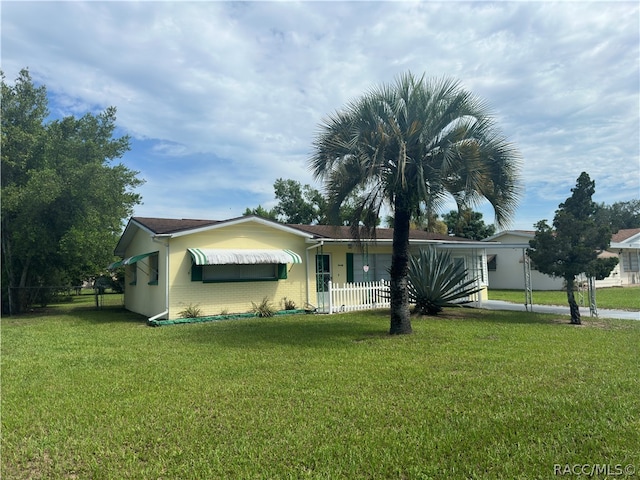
(92, 394)
(622, 298)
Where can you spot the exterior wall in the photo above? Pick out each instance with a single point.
(509, 273)
(234, 297)
(143, 298)
(627, 272)
(615, 278)
(475, 261)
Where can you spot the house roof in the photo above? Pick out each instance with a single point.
(527, 234)
(625, 234)
(624, 239)
(185, 226)
(164, 226)
(332, 232)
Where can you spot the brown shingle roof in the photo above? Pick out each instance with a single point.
(340, 233)
(622, 235)
(161, 226)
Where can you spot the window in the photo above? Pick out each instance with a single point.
(153, 269)
(630, 261)
(492, 263)
(261, 272)
(378, 267)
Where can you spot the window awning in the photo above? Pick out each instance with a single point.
(136, 258)
(115, 265)
(129, 261)
(208, 256)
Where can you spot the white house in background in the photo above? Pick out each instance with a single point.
(626, 245)
(506, 261)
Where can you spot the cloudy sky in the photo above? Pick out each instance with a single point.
(223, 98)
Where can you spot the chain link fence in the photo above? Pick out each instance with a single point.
(26, 299)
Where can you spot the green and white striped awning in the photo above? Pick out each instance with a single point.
(209, 256)
(129, 261)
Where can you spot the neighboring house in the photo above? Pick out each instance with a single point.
(224, 266)
(506, 261)
(626, 245)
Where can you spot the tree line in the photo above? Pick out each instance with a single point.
(303, 204)
(64, 195)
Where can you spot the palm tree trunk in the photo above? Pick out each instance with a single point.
(574, 309)
(400, 316)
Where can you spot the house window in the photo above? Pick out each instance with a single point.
(153, 269)
(630, 261)
(261, 272)
(492, 263)
(378, 265)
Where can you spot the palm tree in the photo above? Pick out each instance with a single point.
(412, 145)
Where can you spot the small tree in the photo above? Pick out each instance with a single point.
(468, 224)
(572, 245)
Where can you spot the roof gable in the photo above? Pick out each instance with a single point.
(172, 227)
(625, 235)
(524, 234)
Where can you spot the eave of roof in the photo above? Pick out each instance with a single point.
(340, 234)
(172, 227)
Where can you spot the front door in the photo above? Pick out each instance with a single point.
(323, 275)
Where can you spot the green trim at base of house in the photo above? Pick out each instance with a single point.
(214, 318)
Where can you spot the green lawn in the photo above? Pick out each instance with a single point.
(627, 298)
(472, 394)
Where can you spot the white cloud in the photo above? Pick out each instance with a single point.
(232, 92)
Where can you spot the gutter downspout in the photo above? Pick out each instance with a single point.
(307, 267)
(166, 280)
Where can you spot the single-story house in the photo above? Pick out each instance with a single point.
(506, 261)
(224, 266)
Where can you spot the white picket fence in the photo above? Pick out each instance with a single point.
(358, 296)
(348, 297)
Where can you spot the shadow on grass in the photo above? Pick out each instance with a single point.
(310, 331)
(336, 331)
(82, 312)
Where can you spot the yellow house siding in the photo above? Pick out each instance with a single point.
(143, 298)
(234, 297)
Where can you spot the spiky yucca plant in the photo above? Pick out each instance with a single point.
(436, 281)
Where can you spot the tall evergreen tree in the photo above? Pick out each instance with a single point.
(571, 246)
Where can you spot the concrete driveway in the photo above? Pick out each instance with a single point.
(560, 310)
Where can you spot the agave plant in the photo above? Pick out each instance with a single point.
(436, 281)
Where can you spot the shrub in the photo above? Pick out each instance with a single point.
(288, 304)
(264, 308)
(192, 311)
(436, 281)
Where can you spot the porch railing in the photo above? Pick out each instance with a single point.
(348, 297)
